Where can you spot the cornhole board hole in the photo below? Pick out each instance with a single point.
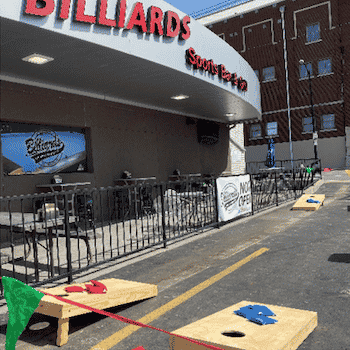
(119, 292)
(302, 204)
(289, 332)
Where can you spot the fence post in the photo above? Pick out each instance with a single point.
(276, 189)
(163, 213)
(216, 204)
(294, 185)
(68, 241)
(251, 192)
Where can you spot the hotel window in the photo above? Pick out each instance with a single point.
(268, 74)
(313, 33)
(303, 70)
(222, 36)
(271, 129)
(324, 66)
(328, 122)
(307, 125)
(255, 131)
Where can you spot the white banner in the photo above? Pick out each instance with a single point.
(234, 196)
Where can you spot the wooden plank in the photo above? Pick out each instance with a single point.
(119, 292)
(302, 204)
(62, 332)
(289, 332)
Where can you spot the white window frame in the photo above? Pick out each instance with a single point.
(251, 132)
(307, 75)
(274, 75)
(222, 36)
(319, 31)
(267, 132)
(318, 70)
(312, 124)
(322, 126)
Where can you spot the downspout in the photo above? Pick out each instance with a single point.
(282, 9)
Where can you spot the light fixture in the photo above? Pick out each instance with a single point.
(229, 114)
(37, 59)
(180, 97)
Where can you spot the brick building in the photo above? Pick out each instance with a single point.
(317, 32)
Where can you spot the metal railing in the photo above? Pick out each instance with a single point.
(47, 237)
(275, 186)
(286, 165)
(51, 236)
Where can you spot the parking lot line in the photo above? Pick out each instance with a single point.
(125, 332)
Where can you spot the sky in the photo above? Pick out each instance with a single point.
(189, 6)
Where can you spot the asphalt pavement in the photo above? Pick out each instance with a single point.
(306, 267)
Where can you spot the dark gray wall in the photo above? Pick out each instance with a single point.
(144, 142)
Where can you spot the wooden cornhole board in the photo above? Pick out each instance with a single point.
(119, 292)
(302, 204)
(289, 332)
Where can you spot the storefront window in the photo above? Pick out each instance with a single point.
(39, 149)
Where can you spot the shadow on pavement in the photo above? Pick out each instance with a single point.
(341, 258)
(42, 329)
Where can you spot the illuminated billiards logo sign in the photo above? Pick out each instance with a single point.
(172, 25)
(45, 147)
(208, 65)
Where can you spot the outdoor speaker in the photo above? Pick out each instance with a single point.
(207, 132)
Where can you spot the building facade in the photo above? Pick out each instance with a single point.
(304, 103)
(90, 89)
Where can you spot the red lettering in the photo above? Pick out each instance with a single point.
(138, 18)
(216, 69)
(242, 84)
(223, 71)
(234, 79)
(80, 16)
(185, 29)
(205, 64)
(171, 16)
(199, 61)
(102, 12)
(191, 59)
(154, 19)
(32, 9)
(210, 66)
(64, 9)
(121, 10)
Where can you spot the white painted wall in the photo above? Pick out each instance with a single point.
(237, 150)
(332, 151)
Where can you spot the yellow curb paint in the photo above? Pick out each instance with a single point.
(125, 332)
(348, 172)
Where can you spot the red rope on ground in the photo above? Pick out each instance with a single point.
(127, 320)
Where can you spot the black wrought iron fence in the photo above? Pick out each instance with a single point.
(276, 185)
(285, 165)
(47, 237)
